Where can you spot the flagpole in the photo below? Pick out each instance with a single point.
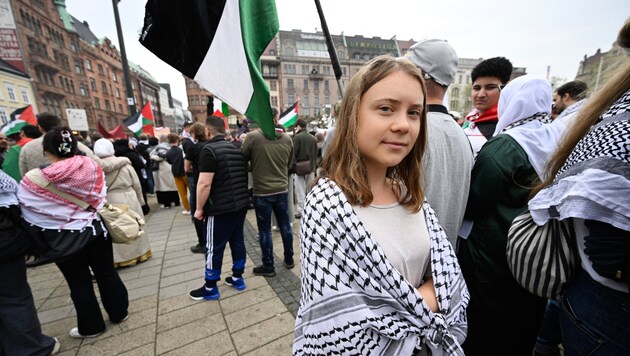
(331, 48)
(123, 54)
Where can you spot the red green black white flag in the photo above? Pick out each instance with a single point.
(218, 44)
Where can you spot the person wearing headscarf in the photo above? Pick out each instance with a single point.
(504, 172)
(588, 181)
(123, 187)
(124, 148)
(52, 216)
(20, 330)
(165, 187)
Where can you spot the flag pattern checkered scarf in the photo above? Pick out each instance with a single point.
(354, 302)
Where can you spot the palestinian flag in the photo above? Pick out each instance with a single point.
(141, 122)
(19, 118)
(218, 44)
(289, 117)
(220, 108)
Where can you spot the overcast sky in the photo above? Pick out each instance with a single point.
(532, 33)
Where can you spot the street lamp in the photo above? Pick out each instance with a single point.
(130, 97)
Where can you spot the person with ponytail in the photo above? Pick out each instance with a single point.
(588, 181)
(53, 200)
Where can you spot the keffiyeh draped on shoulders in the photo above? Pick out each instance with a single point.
(354, 302)
(594, 182)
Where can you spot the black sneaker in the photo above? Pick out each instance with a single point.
(237, 283)
(288, 263)
(205, 293)
(264, 271)
(198, 249)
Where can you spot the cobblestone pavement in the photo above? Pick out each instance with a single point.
(163, 319)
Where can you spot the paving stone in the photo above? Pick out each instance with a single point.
(146, 350)
(279, 347)
(188, 314)
(186, 334)
(143, 304)
(120, 343)
(254, 314)
(217, 344)
(260, 334)
(174, 303)
(142, 292)
(63, 312)
(245, 299)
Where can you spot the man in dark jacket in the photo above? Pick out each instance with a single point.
(222, 199)
(305, 150)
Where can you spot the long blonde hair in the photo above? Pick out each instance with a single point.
(585, 119)
(344, 163)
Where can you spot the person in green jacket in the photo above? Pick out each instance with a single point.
(11, 164)
(504, 318)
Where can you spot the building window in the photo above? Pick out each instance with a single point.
(114, 77)
(25, 97)
(117, 93)
(290, 99)
(272, 52)
(316, 86)
(100, 69)
(274, 101)
(455, 92)
(88, 64)
(104, 87)
(304, 69)
(78, 68)
(120, 109)
(3, 115)
(273, 85)
(97, 103)
(306, 102)
(93, 84)
(344, 71)
(326, 85)
(305, 84)
(83, 89)
(108, 107)
(10, 92)
(290, 84)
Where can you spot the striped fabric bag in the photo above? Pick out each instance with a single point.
(542, 258)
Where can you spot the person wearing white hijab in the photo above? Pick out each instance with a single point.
(123, 187)
(505, 170)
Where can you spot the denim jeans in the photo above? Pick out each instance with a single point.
(549, 336)
(278, 205)
(594, 319)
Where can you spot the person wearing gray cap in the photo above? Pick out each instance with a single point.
(448, 160)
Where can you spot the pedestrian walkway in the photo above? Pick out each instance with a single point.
(163, 319)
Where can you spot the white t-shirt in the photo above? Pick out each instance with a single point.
(402, 235)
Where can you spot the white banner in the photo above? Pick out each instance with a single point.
(77, 119)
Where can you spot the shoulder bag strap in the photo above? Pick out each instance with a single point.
(35, 175)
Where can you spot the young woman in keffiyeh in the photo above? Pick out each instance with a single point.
(379, 276)
(589, 182)
(52, 216)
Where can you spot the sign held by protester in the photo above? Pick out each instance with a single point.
(77, 119)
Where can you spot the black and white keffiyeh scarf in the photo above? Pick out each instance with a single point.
(8, 191)
(354, 302)
(594, 182)
(542, 117)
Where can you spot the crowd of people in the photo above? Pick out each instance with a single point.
(404, 214)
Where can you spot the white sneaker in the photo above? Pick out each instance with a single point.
(186, 212)
(74, 332)
(57, 346)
